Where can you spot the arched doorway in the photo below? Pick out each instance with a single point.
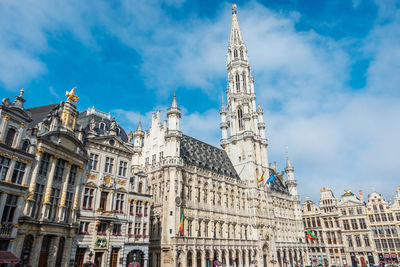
(44, 251)
(60, 251)
(135, 258)
(26, 250)
(362, 262)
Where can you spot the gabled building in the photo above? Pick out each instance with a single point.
(16, 161)
(356, 229)
(115, 201)
(49, 217)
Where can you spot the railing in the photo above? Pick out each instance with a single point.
(6, 228)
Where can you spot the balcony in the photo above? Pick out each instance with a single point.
(6, 228)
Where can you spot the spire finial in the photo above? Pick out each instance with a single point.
(139, 128)
(234, 9)
(288, 164)
(21, 92)
(174, 103)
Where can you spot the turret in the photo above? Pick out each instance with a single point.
(137, 145)
(173, 115)
(291, 182)
(173, 135)
(223, 125)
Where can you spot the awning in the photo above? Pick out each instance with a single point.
(8, 257)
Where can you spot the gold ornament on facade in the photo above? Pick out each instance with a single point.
(6, 117)
(22, 125)
(121, 182)
(107, 180)
(71, 97)
(91, 176)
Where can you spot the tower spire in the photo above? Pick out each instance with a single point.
(242, 124)
(236, 35)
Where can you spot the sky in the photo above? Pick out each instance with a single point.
(327, 73)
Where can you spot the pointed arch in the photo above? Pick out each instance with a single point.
(244, 78)
(235, 53)
(240, 118)
(237, 81)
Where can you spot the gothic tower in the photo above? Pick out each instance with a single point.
(242, 125)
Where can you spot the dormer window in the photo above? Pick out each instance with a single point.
(118, 130)
(102, 125)
(25, 146)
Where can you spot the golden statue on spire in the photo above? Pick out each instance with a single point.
(71, 97)
(21, 92)
(234, 9)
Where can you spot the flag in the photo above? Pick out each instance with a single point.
(181, 225)
(261, 179)
(310, 235)
(271, 178)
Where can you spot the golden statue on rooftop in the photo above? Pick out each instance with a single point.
(71, 97)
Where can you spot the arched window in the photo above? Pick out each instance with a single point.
(60, 251)
(102, 125)
(10, 136)
(140, 187)
(240, 118)
(235, 53)
(26, 250)
(241, 54)
(244, 82)
(237, 79)
(25, 145)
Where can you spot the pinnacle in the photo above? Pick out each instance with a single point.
(174, 104)
(139, 128)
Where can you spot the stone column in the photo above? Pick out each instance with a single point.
(10, 170)
(77, 194)
(25, 179)
(53, 251)
(227, 257)
(20, 203)
(62, 208)
(50, 177)
(3, 127)
(35, 253)
(246, 258)
(17, 140)
(194, 258)
(32, 183)
(184, 259)
(67, 252)
(3, 200)
(203, 258)
(18, 244)
(240, 257)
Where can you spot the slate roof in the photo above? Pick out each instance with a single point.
(195, 152)
(84, 121)
(39, 113)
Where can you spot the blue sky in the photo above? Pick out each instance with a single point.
(326, 73)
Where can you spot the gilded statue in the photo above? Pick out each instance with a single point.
(71, 97)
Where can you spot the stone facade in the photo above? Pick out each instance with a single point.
(352, 232)
(207, 203)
